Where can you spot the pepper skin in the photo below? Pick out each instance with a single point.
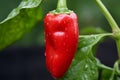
(61, 37)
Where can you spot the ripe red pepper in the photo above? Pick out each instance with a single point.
(61, 35)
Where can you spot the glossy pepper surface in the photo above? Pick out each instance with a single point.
(61, 37)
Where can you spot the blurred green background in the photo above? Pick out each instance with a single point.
(91, 20)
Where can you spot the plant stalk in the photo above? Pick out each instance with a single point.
(61, 6)
(108, 16)
(113, 24)
(118, 46)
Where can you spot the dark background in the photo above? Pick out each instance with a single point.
(25, 60)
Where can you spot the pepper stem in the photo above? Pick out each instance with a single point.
(61, 7)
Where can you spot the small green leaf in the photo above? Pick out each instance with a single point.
(84, 65)
(20, 20)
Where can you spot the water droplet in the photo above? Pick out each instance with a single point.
(45, 53)
(66, 36)
(86, 67)
(85, 76)
(49, 33)
(66, 29)
(47, 23)
(64, 44)
(66, 50)
(93, 72)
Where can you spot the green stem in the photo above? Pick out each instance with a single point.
(116, 70)
(116, 65)
(118, 46)
(112, 75)
(105, 34)
(61, 5)
(102, 66)
(108, 16)
(105, 67)
(113, 24)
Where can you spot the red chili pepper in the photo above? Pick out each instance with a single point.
(61, 35)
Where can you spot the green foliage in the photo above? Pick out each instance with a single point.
(84, 65)
(19, 21)
(110, 73)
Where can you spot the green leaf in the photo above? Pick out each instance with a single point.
(106, 75)
(84, 65)
(19, 21)
(111, 74)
